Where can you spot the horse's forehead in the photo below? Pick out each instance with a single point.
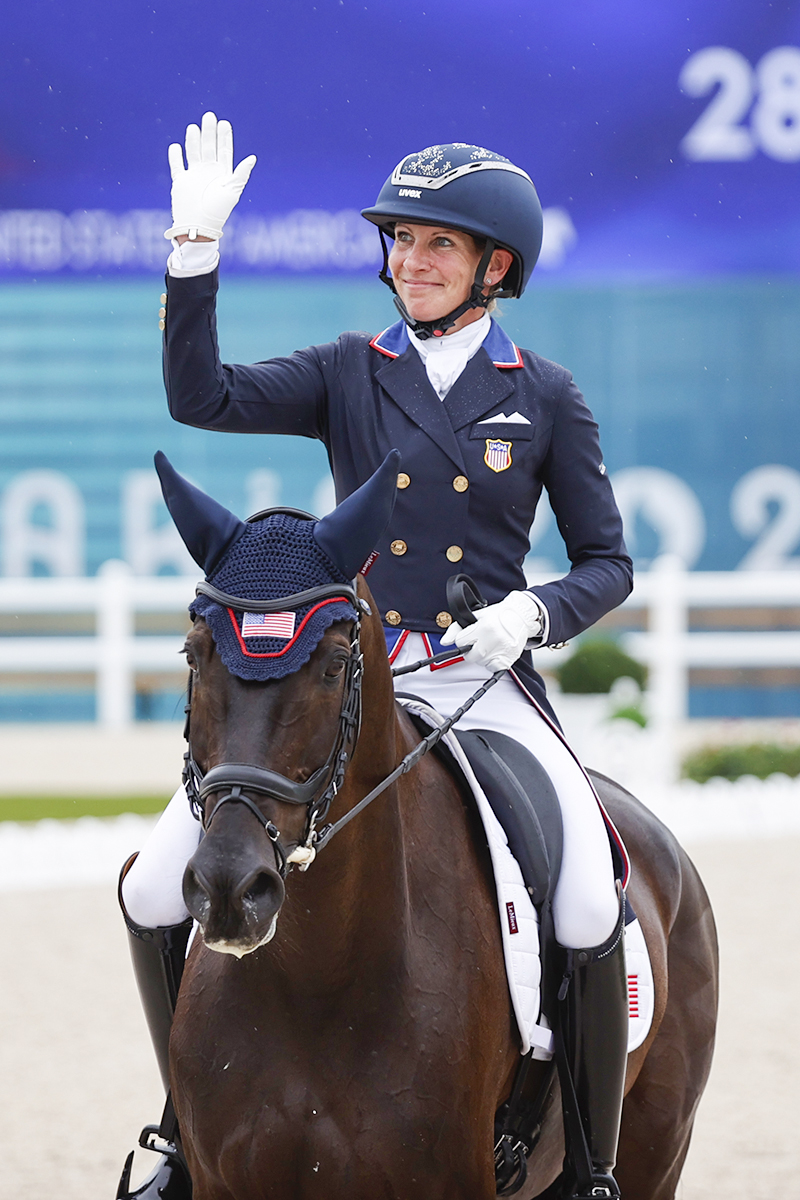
(336, 636)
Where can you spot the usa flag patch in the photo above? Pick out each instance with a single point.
(276, 625)
(498, 455)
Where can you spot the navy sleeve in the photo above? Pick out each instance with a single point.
(284, 395)
(588, 520)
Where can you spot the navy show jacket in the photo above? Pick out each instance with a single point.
(473, 481)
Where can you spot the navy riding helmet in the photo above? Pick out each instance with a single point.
(471, 189)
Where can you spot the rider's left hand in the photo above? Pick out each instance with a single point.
(500, 633)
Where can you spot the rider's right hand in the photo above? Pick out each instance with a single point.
(207, 189)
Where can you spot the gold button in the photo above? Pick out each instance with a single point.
(403, 480)
(454, 553)
(162, 325)
(443, 619)
(398, 546)
(393, 617)
(162, 312)
(461, 483)
(162, 298)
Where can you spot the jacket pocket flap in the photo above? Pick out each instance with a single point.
(508, 431)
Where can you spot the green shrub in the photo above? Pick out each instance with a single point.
(631, 712)
(760, 759)
(596, 665)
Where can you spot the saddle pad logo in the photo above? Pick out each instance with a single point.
(513, 927)
(498, 455)
(276, 625)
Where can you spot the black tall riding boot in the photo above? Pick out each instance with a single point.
(158, 958)
(594, 1023)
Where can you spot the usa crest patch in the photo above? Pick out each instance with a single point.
(498, 455)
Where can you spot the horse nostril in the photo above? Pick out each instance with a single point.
(264, 890)
(259, 887)
(196, 896)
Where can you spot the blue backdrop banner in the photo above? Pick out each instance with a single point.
(664, 138)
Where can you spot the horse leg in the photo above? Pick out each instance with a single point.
(659, 1110)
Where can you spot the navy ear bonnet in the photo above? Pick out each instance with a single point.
(278, 555)
(274, 557)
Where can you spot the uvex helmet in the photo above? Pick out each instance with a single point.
(472, 189)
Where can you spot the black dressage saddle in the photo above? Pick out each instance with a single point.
(524, 801)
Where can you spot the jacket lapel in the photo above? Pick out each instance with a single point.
(405, 380)
(479, 388)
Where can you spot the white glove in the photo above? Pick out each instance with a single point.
(500, 632)
(206, 191)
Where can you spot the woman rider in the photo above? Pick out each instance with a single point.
(481, 426)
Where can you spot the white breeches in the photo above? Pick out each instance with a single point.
(152, 891)
(585, 905)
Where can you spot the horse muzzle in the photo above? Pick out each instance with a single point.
(234, 896)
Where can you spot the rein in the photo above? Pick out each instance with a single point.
(318, 792)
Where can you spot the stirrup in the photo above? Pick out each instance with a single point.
(603, 1187)
(169, 1179)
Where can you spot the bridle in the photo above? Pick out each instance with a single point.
(319, 791)
(236, 779)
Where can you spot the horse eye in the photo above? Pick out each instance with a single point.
(190, 658)
(334, 668)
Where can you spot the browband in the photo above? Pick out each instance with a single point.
(345, 591)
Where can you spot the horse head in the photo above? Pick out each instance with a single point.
(274, 700)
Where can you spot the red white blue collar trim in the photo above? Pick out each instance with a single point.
(498, 345)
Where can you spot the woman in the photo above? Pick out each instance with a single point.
(481, 426)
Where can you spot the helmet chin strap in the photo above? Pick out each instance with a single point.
(476, 298)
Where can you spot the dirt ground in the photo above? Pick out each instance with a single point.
(77, 1079)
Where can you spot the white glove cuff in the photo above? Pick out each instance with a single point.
(193, 232)
(543, 631)
(536, 617)
(193, 258)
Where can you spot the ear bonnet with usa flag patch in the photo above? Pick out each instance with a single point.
(280, 554)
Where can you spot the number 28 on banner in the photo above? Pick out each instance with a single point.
(769, 94)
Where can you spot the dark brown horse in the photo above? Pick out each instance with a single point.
(350, 1034)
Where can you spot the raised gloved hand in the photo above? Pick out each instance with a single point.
(500, 632)
(207, 189)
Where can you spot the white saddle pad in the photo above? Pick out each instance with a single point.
(519, 925)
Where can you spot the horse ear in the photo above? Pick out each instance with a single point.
(350, 533)
(206, 527)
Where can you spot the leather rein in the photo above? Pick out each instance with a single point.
(236, 780)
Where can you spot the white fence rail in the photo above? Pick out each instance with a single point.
(115, 651)
(668, 592)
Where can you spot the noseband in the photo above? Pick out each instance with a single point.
(237, 779)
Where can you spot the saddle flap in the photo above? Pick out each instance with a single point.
(524, 801)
